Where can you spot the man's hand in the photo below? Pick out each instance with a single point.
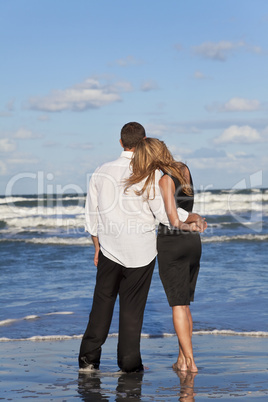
(197, 223)
(198, 226)
(96, 257)
(96, 244)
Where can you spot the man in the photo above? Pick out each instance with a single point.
(122, 227)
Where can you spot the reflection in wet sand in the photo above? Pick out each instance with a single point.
(187, 393)
(129, 386)
(90, 387)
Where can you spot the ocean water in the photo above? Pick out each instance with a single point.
(48, 276)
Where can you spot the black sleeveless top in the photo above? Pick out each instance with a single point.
(182, 201)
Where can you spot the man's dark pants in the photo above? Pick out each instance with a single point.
(132, 285)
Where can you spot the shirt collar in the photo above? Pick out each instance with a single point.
(126, 154)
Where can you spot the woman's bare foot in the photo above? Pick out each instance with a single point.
(191, 366)
(185, 365)
(180, 365)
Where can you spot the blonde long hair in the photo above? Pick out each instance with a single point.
(151, 154)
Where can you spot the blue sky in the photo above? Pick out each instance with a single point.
(73, 72)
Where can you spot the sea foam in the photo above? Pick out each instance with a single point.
(224, 332)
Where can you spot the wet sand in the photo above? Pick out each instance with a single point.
(230, 367)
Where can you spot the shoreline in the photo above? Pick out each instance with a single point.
(214, 332)
(229, 367)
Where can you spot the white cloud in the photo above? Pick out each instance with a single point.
(178, 47)
(3, 168)
(84, 146)
(237, 162)
(7, 145)
(179, 153)
(5, 114)
(168, 130)
(236, 134)
(242, 104)
(24, 134)
(218, 51)
(207, 153)
(241, 155)
(156, 130)
(265, 132)
(149, 86)
(43, 117)
(9, 108)
(10, 105)
(122, 86)
(90, 94)
(198, 75)
(51, 144)
(22, 161)
(253, 49)
(127, 61)
(236, 105)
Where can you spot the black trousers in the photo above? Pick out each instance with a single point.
(132, 285)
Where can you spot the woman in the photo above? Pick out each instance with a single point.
(179, 246)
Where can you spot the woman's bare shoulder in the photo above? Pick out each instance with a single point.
(165, 181)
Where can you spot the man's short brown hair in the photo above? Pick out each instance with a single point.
(131, 134)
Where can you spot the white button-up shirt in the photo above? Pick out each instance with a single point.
(124, 222)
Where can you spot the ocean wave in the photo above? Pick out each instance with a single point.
(232, 333)
(10, 321)
(45, 224)
(38, 338)
(57, 241)
(12, 199)
(223, 207)
(57, 221)
(207, 203)
(226, 332)
(86, 241)
(81, 241)
(29, 199)
(214, 332)
(229, 203)
(45, 211)
(245, 237)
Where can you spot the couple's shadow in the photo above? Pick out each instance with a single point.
(91, 387)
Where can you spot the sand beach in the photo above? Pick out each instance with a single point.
(230, 367)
